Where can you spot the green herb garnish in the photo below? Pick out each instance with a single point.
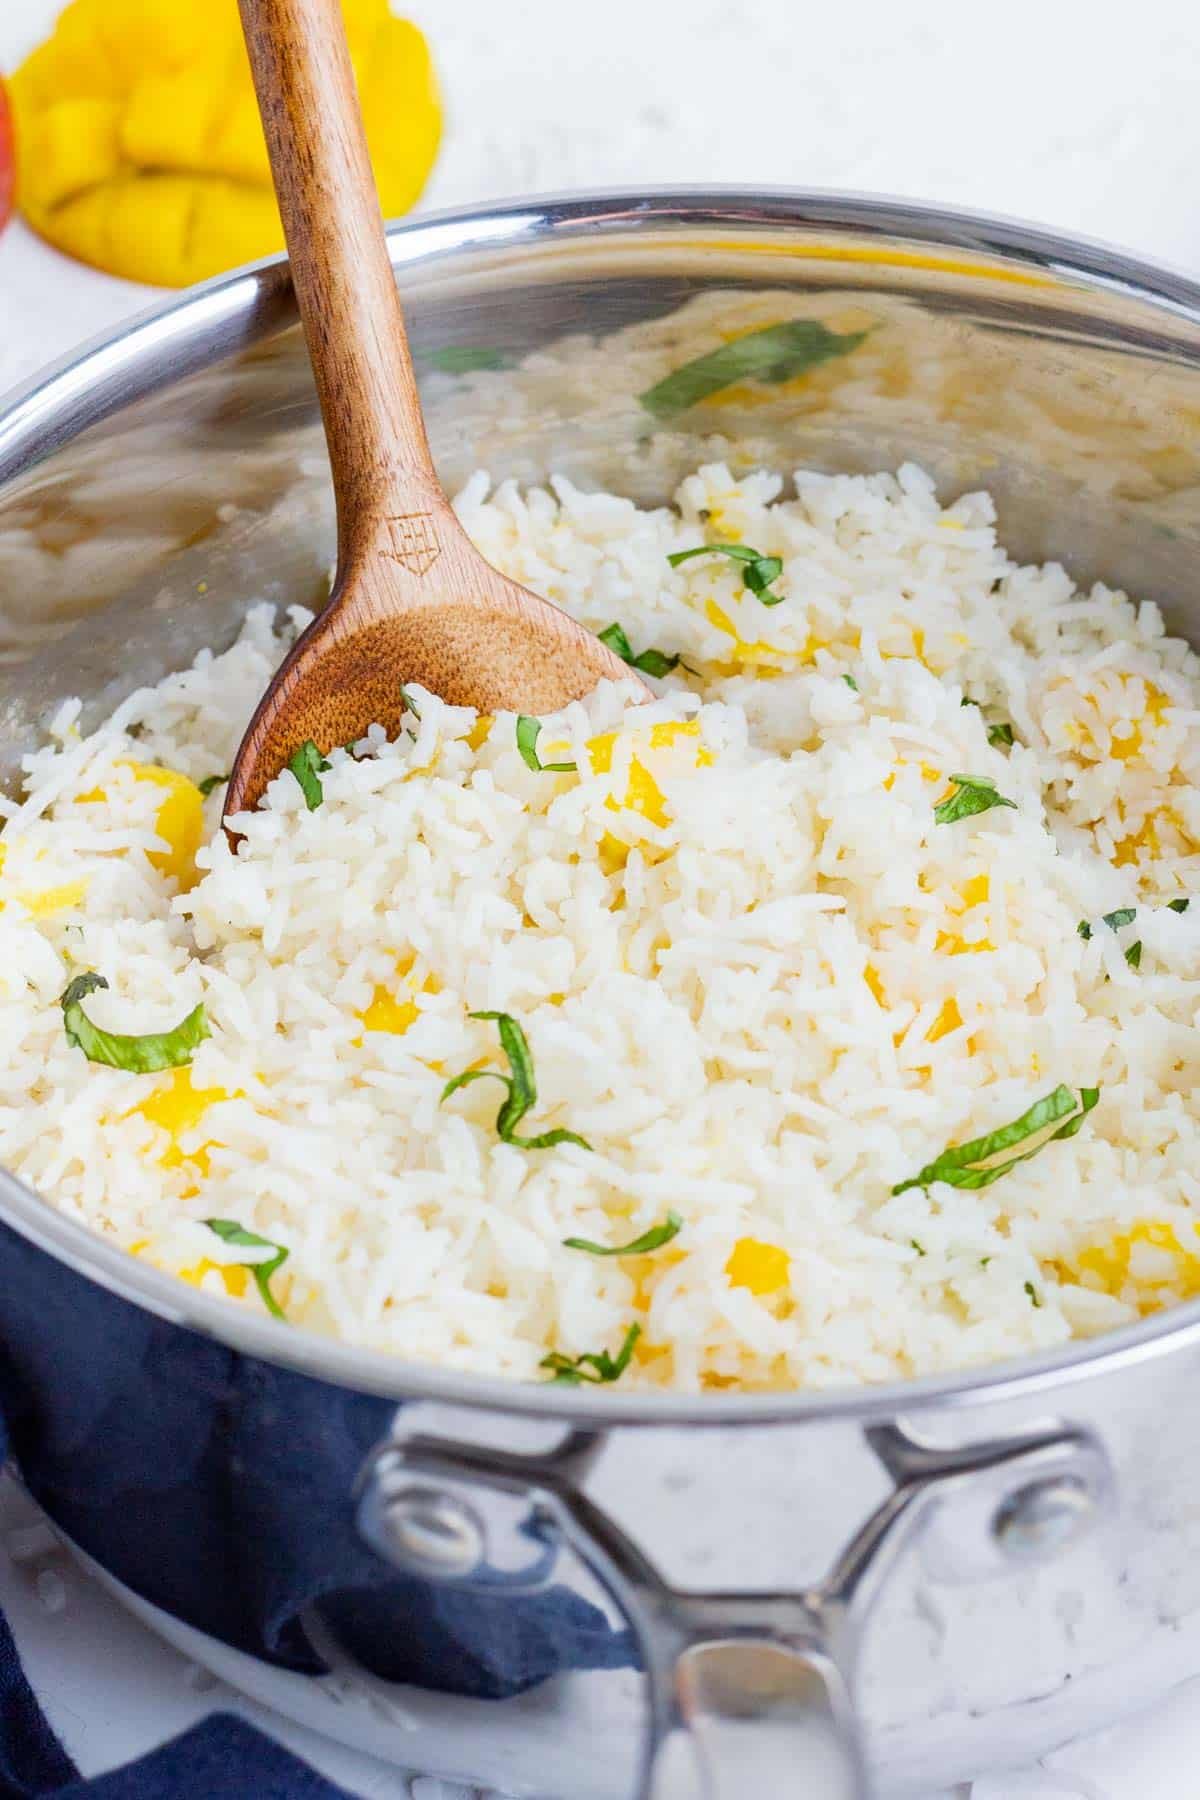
(1034, 1296)
(973, 794)
(1001, 733)
(139, 1055)
(464, 359)
(594, 1365)
(209, 783)
(758, 571)
(985, 1159)
(410, 705)
(528, 732)
(776, 353)
(650, 662)
(1133, 955)
(919, 1248)
(1124, 915)
(308, 766)
(1179, 905)
(654, 1239)
(230, 1232)
(522, 1088)
(850, 682)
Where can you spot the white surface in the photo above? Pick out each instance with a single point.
(1083, 118)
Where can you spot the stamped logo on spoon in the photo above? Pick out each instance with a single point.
(413, 541)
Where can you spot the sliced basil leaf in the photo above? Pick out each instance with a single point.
(973, 794)
(654, 1239)
(521, 1087)
(776, 353)
(1179, 905)
(850, 682)
(528, 732)
(1124, 915)
(464, 359)
(758, 571)
(230, 1232)
(1133, 955)
(985, 1159)
(139, 1055)
(650, 662)
(210, 782)
(1000, 733)
(594, 1365)
(308, 766)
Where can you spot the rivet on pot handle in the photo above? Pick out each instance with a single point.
(748, 1692)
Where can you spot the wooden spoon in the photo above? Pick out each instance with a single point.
(412, 600)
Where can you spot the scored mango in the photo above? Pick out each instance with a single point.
(139, 147)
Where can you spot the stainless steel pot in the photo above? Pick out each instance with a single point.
(822, 1591)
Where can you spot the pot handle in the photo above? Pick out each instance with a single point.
(748, 1692)
(738, 1716)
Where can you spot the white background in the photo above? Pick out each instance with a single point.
(1080, 116)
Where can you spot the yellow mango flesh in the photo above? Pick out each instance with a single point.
(139, 147)
(762, 1268)
(43, 903)
(177, 1107)
(642, 794)
(387, 1013)
(236, 1278)
(1113, 1268)
(391, 1012)
(179, 820)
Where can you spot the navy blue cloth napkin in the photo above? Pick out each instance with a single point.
(222, 1758)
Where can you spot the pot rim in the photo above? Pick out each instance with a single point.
(207, 323)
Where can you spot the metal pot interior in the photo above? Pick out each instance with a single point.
(161, 482)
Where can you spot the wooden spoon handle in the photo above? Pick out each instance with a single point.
(341, 271)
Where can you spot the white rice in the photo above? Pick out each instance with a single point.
(763, 1011)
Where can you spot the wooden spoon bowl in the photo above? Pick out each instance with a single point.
(412, 600)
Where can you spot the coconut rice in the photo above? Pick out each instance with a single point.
(758, 974)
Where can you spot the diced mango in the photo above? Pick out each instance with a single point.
(179, 820)
(47, 902)
(1173, 1270)
(176, 1108)
(949, 1019)
(395, 1012)
(43, 903)
(757, 653)
(762, 1268)
(235, 1277)
(643, 794)
(387, 1013)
